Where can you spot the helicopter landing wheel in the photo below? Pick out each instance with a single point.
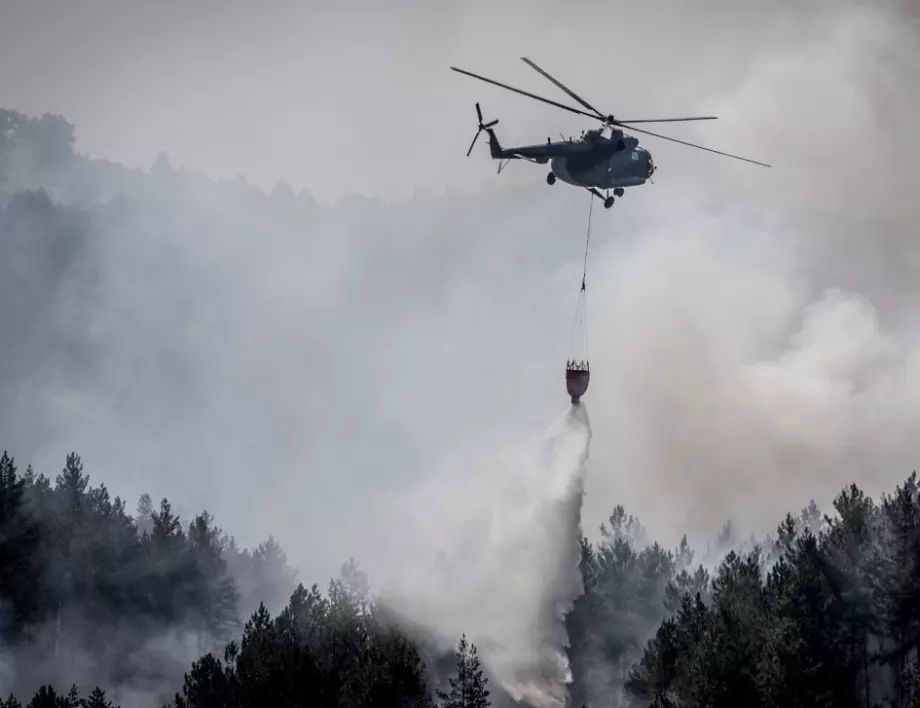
(608, 202)
(619, 191)
(551, 179)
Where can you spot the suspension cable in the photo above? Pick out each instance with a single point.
(584, 273)
(581, 309)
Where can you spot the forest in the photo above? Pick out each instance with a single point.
(824, 612)
(105, 604)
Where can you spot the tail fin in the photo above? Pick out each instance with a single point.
(495, 147)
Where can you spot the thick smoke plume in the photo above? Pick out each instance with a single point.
(760, 333)
(505, 560)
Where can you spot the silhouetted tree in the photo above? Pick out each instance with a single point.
(74, 571)
(20, 567)
(97, 699)
(468, 686)
(328, 652)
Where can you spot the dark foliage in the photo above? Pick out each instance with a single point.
(79, 578)
(75, 568)
(468, 687)
(822, 615)
(326, 651)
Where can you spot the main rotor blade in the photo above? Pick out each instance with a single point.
(600, 115)
(560, 85)
(675, 140)
(667, 120)
(525, 93)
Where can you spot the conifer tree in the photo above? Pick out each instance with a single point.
(19, 553)
(144, 515)
(468, 686)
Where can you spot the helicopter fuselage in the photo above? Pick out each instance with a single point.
(629, 167)
(595, 160)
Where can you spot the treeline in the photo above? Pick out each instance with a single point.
(127, 602)
(824, 613)
(37, 153)
(88, 589)
(337, 651)
(332, 651)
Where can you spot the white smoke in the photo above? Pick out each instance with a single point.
(504, 553)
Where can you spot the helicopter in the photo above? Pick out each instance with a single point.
(603, 159)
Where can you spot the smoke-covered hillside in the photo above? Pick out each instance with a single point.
(749, 328)
(169, 312)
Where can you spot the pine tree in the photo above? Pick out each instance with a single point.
(47, 697)
(211, 591)
(144, 515)
(580, 625)
(19, 553)
(468, 688)
(97, 699)
(206, 686)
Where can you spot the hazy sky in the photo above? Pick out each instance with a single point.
(753, 332)
(358, 96)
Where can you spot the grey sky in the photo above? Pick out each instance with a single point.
(318, 377)
(357, 96)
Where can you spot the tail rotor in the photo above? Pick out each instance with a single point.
(482, 127)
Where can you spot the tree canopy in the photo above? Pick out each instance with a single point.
(821, 613)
